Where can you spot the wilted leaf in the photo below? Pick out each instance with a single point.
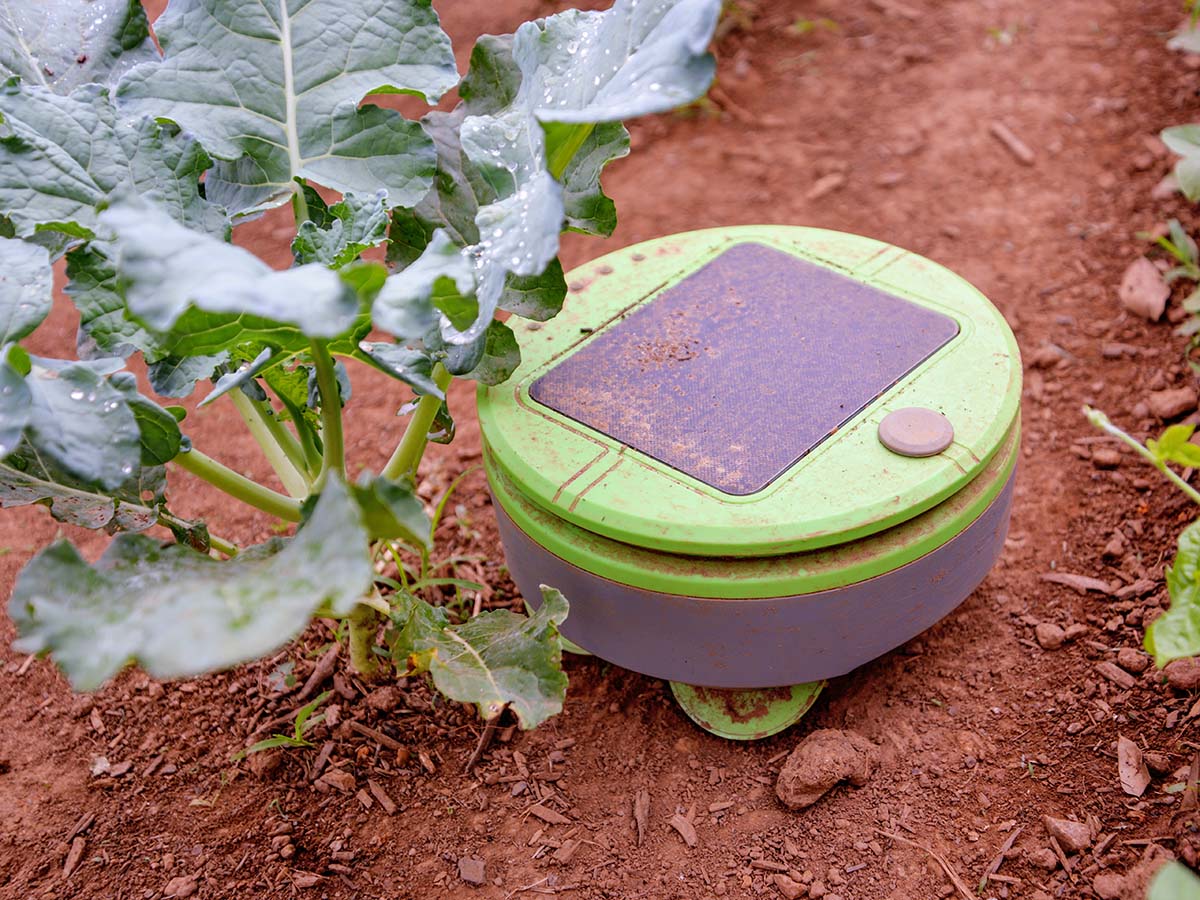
(1131, 769)
(176, 376)
(26, 285)
(27, 477)
(181, 613)
(493, 660)
(275, 89)
(62, 44)
(244, 374)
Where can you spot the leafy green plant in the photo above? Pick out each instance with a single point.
(1176, 633)
(1182, 249)
(136, 167)
(304, 722)
(1174, 881)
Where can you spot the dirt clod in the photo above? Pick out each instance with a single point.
(822, 760)
(1043, 858)
(1108, 885)
(1049, 636)
(1106, 458)
(180, 887)
(1073, 836)
(1173, 402)
(1143, 291)
(790, 889)
(1183, 674)
(265, 763)
(1131, 660)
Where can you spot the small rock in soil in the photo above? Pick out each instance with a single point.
(1131, 660)
(823, 759)
(1075, 632)
(1183, 674)
(183, 886)
(1173, 402)
(817, 889)
(1043, 858)
(1049, 636)
(789, 888)
(1106, 458)
(471, 870)
(1158, 763)
(1073, 836)
(1143, 291)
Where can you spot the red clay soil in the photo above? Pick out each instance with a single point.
(882, 126)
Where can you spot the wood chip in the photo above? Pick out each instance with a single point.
(1080, 583)
(82, 824)
(1131, 768)
(377, 791)
(686, 829)
(74, 855)
(1116, 675)
(548, 815)
(641, 812)
(321, 671)
(564, 853)
(994, 866)
(378, 736)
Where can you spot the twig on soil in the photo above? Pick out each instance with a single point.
(485, 740)
(1062, 857)
(322, 670)
(998, 859)
(378, 736)
(1017, 147)
(953, 875)
(528, 887)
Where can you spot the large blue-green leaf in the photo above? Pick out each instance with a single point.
(638, 58)
(166, 268)
(179, 612)
(274, 88)
(82, 424)
(27, 476)
(61, 44)
(391, 510)
(62, 156)
(405, 304)
(494, 660)
(14, 408)
(26, 288)
(411, 365)
(176, 376)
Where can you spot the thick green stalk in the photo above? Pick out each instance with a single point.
(1101, 421)
(364, 622)
(239, 486)
(407, 455)
(222, 546)
(331, 415)
(260, 422)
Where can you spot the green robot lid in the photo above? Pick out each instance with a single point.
(754, 391)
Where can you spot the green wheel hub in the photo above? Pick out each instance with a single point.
(746, 715)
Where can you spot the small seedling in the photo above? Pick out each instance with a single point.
(1176, 633)
(305, 722)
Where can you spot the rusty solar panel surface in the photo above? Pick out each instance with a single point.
(735, 373)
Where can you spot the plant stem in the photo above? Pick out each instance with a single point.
(1101, 421)
(299, 205)
(363, 624)
(239, 486)
(222, 546)
(260, 422)
(331, 414)
(565, 151)
(407, 455)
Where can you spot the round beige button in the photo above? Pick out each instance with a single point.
(916, 431)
